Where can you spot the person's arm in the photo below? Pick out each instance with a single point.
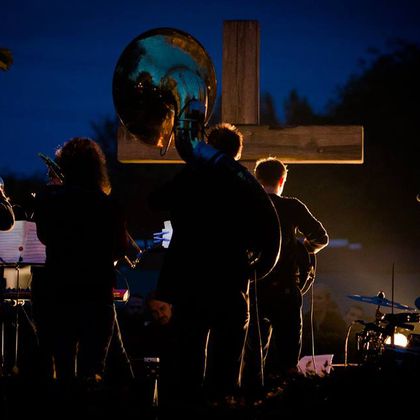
(44, 212)
(121, 238)
(315, 235)
(7, 216)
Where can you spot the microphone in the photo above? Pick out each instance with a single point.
(417, 303)
(52, 166)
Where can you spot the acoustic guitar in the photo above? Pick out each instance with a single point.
(307, 267)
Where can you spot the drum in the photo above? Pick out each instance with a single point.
(402, 318)
(371, 343)
(396, 343)
(407, 324)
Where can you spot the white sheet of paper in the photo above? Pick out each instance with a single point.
(166, 238)
(323, 363)
(21, 244)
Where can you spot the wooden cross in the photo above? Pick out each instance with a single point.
(240, 106)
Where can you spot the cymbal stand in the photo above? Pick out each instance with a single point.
(392, 302)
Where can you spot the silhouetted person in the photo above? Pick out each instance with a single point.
(205, 270)
(279, 294)
(84, 233)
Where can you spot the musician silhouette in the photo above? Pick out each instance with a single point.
(205, 276)
(280, 293)
(84, 233)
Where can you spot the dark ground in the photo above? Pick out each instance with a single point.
(347, 391)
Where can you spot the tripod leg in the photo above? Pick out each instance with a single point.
(2, 350)
(15, 369)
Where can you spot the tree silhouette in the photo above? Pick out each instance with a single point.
(298, 111)
(384, 99)
(268, 113)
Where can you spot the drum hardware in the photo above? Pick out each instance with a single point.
(17, 301)
(386, 337)
(380, 300)
(387, 332)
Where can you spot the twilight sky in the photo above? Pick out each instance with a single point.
(65, 53)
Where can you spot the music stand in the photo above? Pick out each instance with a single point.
(19, 247)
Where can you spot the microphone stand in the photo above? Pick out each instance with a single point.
(392, 303)
(15, 368)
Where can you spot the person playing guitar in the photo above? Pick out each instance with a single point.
(280, 293)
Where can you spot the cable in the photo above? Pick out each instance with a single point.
(257, 317)
(311, 312)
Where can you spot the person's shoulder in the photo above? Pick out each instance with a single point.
(285, 200)
(294, 202)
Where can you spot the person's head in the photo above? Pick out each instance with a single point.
(226, 138)
(160, 310)
(83, 164)
(271, 173)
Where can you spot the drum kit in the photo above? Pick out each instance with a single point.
(392, 338)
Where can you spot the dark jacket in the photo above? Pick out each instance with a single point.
(84, 233)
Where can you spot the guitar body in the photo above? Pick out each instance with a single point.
(307, 267)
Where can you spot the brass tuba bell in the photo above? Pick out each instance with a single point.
(164, 87)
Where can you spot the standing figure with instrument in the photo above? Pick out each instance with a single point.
(207, 280)
(280, 293)
(84, 233)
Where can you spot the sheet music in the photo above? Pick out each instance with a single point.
(323, 364)
(21, 244)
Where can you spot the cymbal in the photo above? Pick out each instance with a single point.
(379, 301)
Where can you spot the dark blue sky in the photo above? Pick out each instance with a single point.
(65, 54)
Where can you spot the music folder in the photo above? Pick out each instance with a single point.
(21, 245)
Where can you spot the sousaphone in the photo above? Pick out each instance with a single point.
(164, 90)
